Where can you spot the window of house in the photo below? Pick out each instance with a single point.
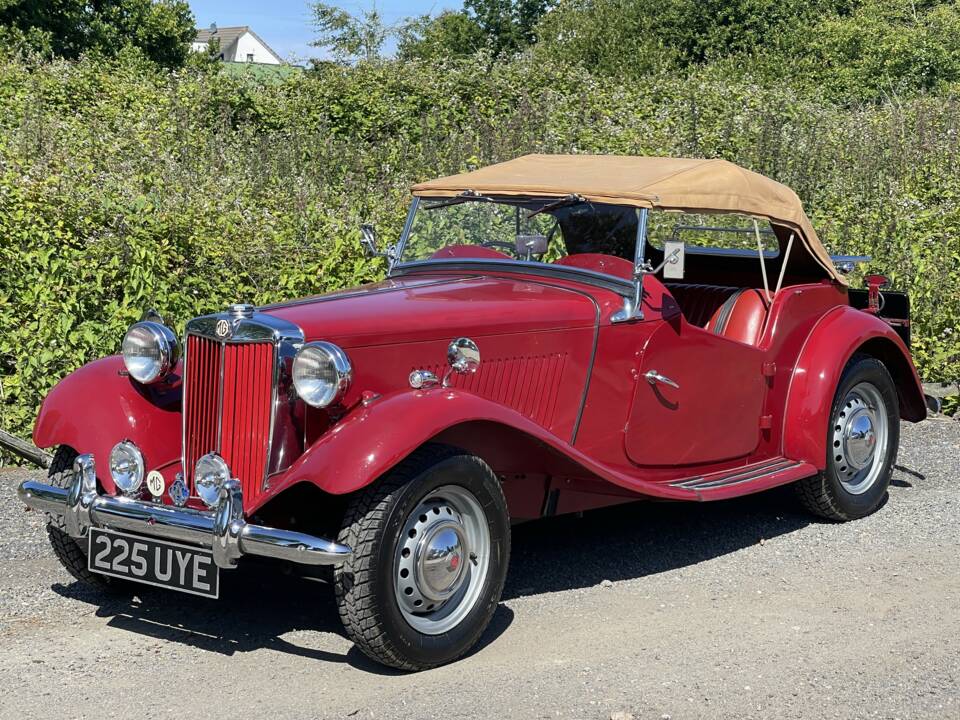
(249, 57)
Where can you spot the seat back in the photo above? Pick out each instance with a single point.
(735, 313)
(700, 303)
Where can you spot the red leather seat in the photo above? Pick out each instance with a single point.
(735, 313)
(700, 303)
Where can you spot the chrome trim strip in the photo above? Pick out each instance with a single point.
(223, 530)
(223, 359)
(755, 472)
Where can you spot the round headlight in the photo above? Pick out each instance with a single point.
(321, 373)
(126, 466)
(210, 473)
(150, 351)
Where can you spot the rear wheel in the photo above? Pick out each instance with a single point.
(862, 441)
(71, 554)
(431, 543)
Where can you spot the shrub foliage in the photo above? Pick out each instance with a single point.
(124, 187)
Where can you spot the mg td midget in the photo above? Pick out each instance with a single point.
(554, 334)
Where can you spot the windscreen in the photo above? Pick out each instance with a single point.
(543, 229)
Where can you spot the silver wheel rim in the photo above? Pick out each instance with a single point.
(860, 437)
(442, 560)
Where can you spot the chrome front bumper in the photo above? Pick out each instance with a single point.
(221, 530)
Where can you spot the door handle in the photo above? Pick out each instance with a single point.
(653, 377)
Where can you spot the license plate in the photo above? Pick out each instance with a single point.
(153, 562)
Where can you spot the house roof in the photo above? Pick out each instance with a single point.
(228, 37)
(662, 183)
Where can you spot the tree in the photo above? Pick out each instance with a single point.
(508, 25)
(449, 34)
(504, 27)
(350, 37)
(162, 29)
(885, 47)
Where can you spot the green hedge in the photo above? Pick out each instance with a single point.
(122, 187)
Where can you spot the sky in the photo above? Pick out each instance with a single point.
(284, 25)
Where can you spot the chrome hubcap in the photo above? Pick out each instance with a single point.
(439, 560)
(860, 438)
(442, 560)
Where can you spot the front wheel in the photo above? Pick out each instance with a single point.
(862, 442)
(431, 544)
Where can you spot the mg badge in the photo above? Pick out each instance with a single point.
(223, 328)
(155, 484)
(178, 491)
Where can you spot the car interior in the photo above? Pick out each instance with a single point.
(723, 292)
(726, 288)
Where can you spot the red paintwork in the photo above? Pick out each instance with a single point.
(441, 310)
(98, 405)
(548, 349)
(713, 416)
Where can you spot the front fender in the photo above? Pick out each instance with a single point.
(833, 341)
(98, 405)
(368, 442)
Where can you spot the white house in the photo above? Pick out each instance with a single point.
(237, 44)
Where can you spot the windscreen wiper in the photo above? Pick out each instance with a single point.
(465, 196)
(571, 199)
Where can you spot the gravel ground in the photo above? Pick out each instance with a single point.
(741, 609)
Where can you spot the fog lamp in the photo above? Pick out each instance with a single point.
(126, 466)
(209, 475)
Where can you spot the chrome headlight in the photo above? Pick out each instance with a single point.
(126, 466)
(150, 351)
(209, 475)
(321, 373)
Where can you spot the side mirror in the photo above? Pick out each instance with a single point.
(368, 238)
(674, 255)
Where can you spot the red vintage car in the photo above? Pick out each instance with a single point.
(555, 334)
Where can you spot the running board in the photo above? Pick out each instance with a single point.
(745, 479)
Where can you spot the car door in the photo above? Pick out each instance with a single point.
(698, 398)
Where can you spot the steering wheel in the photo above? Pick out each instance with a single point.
(500, 245)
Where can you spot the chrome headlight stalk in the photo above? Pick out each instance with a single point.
(321, 373)
(127, 467)
(210, 474)
(150, 351)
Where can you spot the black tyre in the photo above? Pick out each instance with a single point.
(431, 544)
(71, 554)
(862, 441)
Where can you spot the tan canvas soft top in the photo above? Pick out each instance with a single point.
(680, 184)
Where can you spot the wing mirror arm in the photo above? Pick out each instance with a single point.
(368, 239)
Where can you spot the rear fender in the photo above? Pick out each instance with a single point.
(840, 334)
(98, 405)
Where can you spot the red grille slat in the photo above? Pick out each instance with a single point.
(240, 404)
